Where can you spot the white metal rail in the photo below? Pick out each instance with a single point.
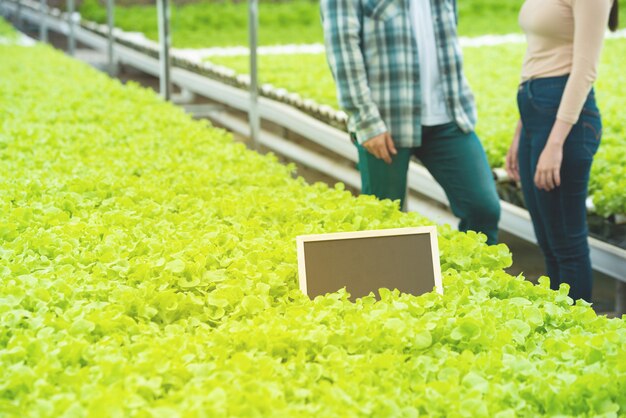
(606, 258)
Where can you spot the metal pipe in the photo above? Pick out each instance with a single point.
(163, 16)
(71, 38)
(620, 298)
(111, 40)
(18, 14)
(253, 115)
(43, 23)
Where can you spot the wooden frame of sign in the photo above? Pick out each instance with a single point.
(406, 259)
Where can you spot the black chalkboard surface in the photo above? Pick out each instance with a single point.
(406, 259)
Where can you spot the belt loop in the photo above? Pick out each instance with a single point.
(530, 88)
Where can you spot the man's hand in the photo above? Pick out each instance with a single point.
(548, 174)
(381, 146)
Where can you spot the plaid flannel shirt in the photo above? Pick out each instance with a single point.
(372, 53)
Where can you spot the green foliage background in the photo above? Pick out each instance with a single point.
(493, 73)
(205, 24)
(201, 25)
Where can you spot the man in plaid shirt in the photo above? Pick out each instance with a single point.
(398, 69)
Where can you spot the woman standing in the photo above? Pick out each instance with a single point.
(560, 128)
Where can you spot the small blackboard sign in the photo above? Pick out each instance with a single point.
(406, 259)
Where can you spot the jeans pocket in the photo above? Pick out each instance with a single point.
(546, 102)
(545, 96)
(592, 132)
(591, 110)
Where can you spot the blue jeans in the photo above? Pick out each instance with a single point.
(559, 216)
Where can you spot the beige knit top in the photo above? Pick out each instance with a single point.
(565, 37)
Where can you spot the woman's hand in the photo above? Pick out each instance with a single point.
(512, 160)
(548, 173)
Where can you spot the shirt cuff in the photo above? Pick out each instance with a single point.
(367, 130)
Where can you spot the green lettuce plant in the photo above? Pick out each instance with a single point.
(148, 269)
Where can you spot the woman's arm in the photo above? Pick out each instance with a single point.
(590, 21)
(590, 24)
